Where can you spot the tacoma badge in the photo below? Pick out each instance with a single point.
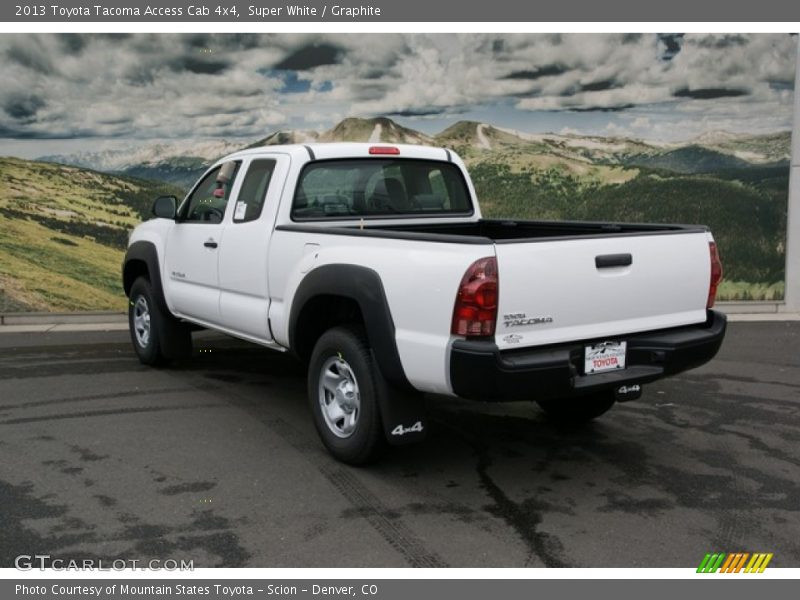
(520, 319)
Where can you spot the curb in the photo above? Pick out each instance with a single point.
(730, 307)
(55, 328)
(74, 318)
(762, 317)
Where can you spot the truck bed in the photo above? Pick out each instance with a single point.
(575, 280)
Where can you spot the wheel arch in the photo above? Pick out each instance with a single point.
(339, 293)
(141, 259)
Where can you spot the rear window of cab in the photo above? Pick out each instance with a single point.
(379, 187)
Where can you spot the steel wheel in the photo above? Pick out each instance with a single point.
(141, 321)
(339, 397)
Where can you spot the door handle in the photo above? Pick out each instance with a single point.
(210, 244)
(606, 261)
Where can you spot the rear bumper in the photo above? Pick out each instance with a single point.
(479, 371)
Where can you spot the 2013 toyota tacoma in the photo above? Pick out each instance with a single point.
(372, 264)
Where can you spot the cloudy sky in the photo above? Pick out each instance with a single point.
(67, 92)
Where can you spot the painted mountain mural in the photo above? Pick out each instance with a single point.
(64, 219)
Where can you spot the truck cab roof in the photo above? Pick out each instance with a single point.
(333, 150)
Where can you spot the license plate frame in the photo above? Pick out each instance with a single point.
(604, 357)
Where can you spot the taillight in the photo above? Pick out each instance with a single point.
(716, 274)
(475, 311)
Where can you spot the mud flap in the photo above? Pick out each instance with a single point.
(175, 337)
(403, 413)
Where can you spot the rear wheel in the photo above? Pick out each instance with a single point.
(580, 409)
(342, 391)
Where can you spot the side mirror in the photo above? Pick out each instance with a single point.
(165, 207)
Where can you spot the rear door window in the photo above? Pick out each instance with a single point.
(253, 192)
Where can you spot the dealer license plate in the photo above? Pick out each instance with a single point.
(608, 356)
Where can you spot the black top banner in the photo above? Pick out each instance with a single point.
(270, 11)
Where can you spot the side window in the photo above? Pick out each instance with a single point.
(253, 193)
(207, 202)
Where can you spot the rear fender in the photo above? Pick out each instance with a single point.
(402, 407)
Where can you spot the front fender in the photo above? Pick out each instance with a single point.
(144, 252)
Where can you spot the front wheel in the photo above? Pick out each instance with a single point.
(157, 337)
(580, 409)
(342, 392)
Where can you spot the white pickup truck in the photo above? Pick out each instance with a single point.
(372, 264)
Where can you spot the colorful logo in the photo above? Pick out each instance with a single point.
(719, 562)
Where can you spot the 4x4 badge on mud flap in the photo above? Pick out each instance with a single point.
(415, 428)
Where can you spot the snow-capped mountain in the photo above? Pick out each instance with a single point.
(120, 159)
(182, 162)
(287, 136)
(380, 129)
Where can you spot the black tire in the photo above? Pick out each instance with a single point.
(580, 409)
(343, 351)
(166, 337)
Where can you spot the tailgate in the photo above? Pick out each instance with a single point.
(582, 289)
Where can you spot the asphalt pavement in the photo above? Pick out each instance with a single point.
(216, 460)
